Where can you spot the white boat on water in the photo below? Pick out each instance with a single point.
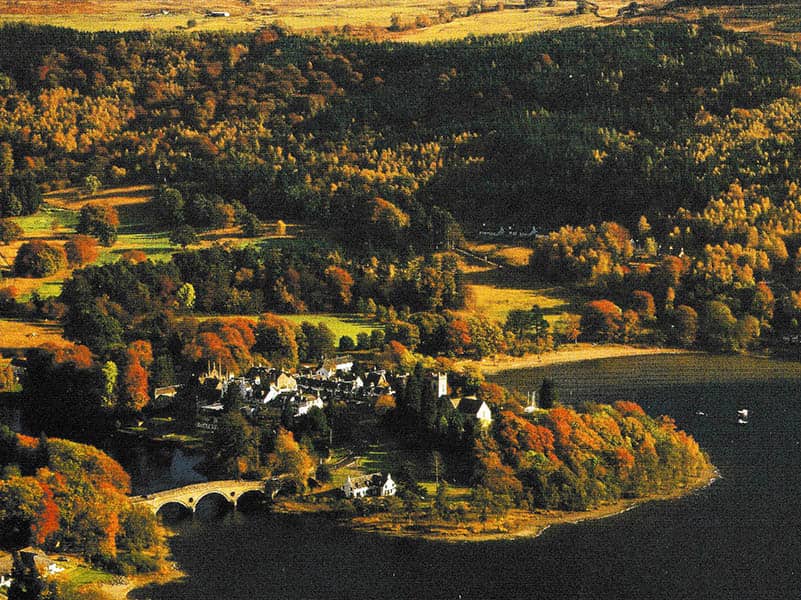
(742, 416)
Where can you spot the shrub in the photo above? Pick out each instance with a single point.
(323, 474)
(81, 249)
(99, 221)
(346, 343)
(9, 231)
(39, 259)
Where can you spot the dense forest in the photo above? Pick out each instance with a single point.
(548, 129)
(681, 136)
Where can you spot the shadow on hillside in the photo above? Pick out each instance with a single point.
(135, 218)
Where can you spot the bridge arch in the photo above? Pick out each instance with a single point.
(251, 498)
(181, 507)
(212, 504)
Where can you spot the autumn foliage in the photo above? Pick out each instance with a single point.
(81, 250)
(69, 497)
(602, 319)
(39, 259)
(573, 460)
(135, 391)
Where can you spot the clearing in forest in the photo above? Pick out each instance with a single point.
(494, 291)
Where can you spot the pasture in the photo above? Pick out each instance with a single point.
(55, 222)
(16, 334)
(495, 292)
(341, 324)
(365, 18)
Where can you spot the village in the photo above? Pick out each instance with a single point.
(268, 393)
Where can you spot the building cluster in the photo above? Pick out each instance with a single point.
(507, 232)
(268, 392)
(374, 484)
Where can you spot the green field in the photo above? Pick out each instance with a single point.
(42, 222)
(340, 324)
(494, 292)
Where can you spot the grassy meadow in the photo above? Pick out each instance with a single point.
(341, 324)
(344, 324)
(495, 291)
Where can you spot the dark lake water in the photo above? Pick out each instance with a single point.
(739, 538)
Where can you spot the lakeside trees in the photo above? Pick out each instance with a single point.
(575, 459)
(58, 494)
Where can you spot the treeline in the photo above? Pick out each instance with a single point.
(70, 497)
(108, 304)
(382, 141)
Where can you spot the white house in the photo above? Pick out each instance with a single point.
(330, 367)
(356, 487)
(473, 408)
(388, 487)
(6, 565)
(308, 403)
(373, 484)
(271, 395)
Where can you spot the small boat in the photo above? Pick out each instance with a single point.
(700, 413)
(742, 416)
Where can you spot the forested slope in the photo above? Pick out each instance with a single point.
(551, 128)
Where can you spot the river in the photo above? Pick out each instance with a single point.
(738, 538)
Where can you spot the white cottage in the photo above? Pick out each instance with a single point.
(307, 403)
(374, 484)
(473, 408)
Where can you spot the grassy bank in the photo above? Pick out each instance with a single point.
(514, 523)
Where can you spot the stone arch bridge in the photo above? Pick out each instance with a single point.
(189, 496)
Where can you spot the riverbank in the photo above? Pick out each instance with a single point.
(565, 354)
(516, 523)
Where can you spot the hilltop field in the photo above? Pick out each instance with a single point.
(417, 19)
(407, 20)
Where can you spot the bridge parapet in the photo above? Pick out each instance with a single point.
(189, 496)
